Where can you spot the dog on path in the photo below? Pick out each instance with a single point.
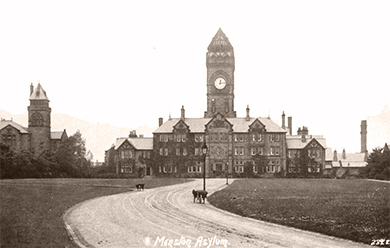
(140, 186)
(200, 195)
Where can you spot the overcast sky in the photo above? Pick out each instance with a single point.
(127, 63)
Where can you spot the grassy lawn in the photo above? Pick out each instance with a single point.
(358, 210)
(31, 209)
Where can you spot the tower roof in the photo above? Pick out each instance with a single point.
(220, 43)
(39, 94)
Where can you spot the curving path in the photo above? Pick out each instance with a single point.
(167, 217)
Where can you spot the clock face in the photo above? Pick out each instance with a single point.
(220, 83)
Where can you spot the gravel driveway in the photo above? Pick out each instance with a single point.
(167, 217)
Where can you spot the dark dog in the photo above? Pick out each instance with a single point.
(140, 186)
(200, 194)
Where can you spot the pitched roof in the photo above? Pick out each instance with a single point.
(137, 143)
(196, 125)
(39, 94)
(351, 160)
(240, 125)
(142, 143)
(57, 134)
(20, 128)
(295, 141)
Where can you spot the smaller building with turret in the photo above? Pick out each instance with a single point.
(37, 137)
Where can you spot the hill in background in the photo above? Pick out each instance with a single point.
(99, 137)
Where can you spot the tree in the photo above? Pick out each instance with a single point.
(71, 157)
(378, 164)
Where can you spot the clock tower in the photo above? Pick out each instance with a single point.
(220, 77)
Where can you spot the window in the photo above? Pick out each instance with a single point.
(166, 151)
(165, 138)
(161, 151)
(36, 119)
(236, 137)
(239, 169)
(177, 151)
(242, 151)
(184, 151)
(196, 151)
(236, 151)
(277, 150)
(161, 138)
(183, 138)
(255, 169)
(277, 138)
(271, 137)
(198, 137)
(272, 150)
(10, 140)
(253, 151)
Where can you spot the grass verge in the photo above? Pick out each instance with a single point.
(31, 209)
(357, 210)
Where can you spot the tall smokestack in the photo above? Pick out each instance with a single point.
(284, 121)
(363, 136)
(290, 125)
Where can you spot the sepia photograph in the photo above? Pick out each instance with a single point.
(194, 124)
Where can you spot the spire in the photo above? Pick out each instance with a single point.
(39, 93)
(220, 43)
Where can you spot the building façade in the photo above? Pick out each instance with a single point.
(239, 146)
(236, 145)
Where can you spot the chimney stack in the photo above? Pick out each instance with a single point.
(160, 121)
(31, 89)
(248, 118)
(290, 125)
(344, 156)
(284, 121)
(133, 134)
(305, 130)
(335, 156)
(182, 117)
(363, 136)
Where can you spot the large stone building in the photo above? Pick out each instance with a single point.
(238, 146)
(37, 137)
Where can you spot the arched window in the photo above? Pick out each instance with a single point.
(36, 119)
